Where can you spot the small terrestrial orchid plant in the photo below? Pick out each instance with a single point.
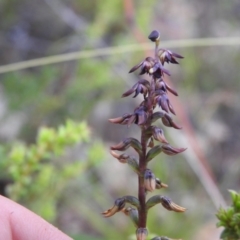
(155, 94)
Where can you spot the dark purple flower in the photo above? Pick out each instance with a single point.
(151, 67)
(158, 70)
(142, 86)
(164, 86)
(139, 116)
(168, 56)
(163, 101)
(145, 65)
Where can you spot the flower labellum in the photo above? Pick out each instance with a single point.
(118, 206)
(171, 206)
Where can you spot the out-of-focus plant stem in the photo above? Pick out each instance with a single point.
(180, 43)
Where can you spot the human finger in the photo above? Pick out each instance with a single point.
(19, 223)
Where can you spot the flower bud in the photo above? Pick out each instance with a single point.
(118, 206)
(141, 233)
(149, 180)
(154, 36)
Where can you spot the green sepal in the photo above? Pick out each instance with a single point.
(132, 200)
(132, 213)
(132, 162)
(151, 202)
(153, 152)
(136, 145)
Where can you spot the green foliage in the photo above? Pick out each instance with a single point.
(38, 177)
(104, 22)
(230, 218)
(31, 88)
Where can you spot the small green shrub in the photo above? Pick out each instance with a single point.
(40, 172)
(230, 218)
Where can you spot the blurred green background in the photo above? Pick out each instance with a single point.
(87, 91)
